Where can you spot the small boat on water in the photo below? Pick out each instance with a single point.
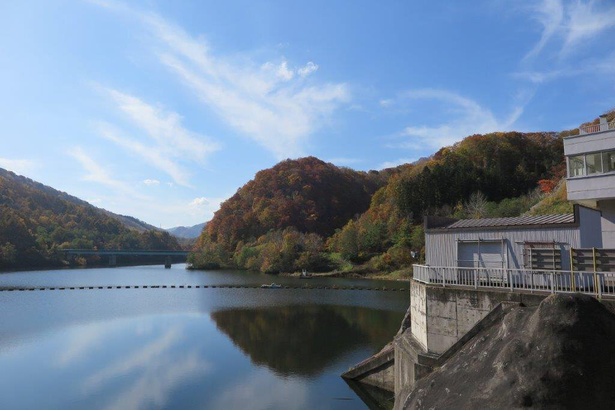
(305, 274)
(272, 285)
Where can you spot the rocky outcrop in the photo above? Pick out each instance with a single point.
(560, 354)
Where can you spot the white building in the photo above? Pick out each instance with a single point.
(590, 159)
(535, 242)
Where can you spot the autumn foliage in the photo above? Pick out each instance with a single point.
(37, 222)
(309, 214)
(277, 221)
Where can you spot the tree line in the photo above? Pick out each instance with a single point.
(308, 214)
(38, 222)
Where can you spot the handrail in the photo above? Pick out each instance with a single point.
(596, 128)
(594, 283)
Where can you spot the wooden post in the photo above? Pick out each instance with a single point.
(596, 285)
(572, 282)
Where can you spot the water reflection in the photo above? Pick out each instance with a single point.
(184, 348)
(303, 340)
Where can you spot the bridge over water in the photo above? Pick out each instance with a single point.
(113, 254)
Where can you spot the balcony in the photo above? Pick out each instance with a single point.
(597, 128)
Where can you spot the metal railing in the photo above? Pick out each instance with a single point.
(596, 128)
(598, 284)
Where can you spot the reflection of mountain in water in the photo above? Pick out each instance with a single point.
(305, 339)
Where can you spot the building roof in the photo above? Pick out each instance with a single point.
(449, 224)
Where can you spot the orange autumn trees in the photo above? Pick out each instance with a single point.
(309, 214)
(278, 220)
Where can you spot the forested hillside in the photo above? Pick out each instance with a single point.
(308, 214)
(278, 220)
(37, 222)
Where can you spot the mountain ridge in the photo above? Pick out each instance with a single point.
(38, 221)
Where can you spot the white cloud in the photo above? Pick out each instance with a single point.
(385, 103)
(151, 182)
(284, 73)
(154, 155)
(308, 69)
(395, 163)
(97, 174)
(201, 208)
(550, 14)
(566, 26)
(198, 202)
(262, 101)
(18, 166)
(168, 143)
(164, 127)
(461, 117)
(585, 22)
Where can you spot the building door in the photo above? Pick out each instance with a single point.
(480, 254)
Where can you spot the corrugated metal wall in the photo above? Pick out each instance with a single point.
(441, 247)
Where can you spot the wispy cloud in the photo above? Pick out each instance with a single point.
(154, 155)
(550, 14)
(168, 143)
(308, 69)
(566, 26)
(271, 103)
(151, 182)
(585, 21)
(98, 174)
(164, 127)
(461, 117)
(156, 372)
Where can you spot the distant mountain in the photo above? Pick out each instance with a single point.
(187, 232)
(37, 222)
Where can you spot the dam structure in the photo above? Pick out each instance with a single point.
(478, 269)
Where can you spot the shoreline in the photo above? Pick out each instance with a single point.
(398, 275)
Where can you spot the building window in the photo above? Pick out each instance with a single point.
(592, 163)
(608, 161)
(576, 166)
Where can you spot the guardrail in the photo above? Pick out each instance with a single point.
(596, 128)
(598, 284)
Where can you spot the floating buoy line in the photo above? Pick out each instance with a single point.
(117, 287)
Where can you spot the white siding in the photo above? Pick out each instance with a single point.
(441, 246)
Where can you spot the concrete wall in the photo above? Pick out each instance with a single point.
(589, 143)
(608, 223)
(449, 313)
(591, 187)
(418, 313)
(591, 228)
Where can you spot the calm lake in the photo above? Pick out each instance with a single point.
(187, 348)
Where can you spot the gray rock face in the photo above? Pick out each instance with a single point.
(558, 355)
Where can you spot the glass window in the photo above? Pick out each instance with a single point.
(576, 166)
(608, 161)
(593, 162)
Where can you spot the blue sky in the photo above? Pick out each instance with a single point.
(163, 109)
